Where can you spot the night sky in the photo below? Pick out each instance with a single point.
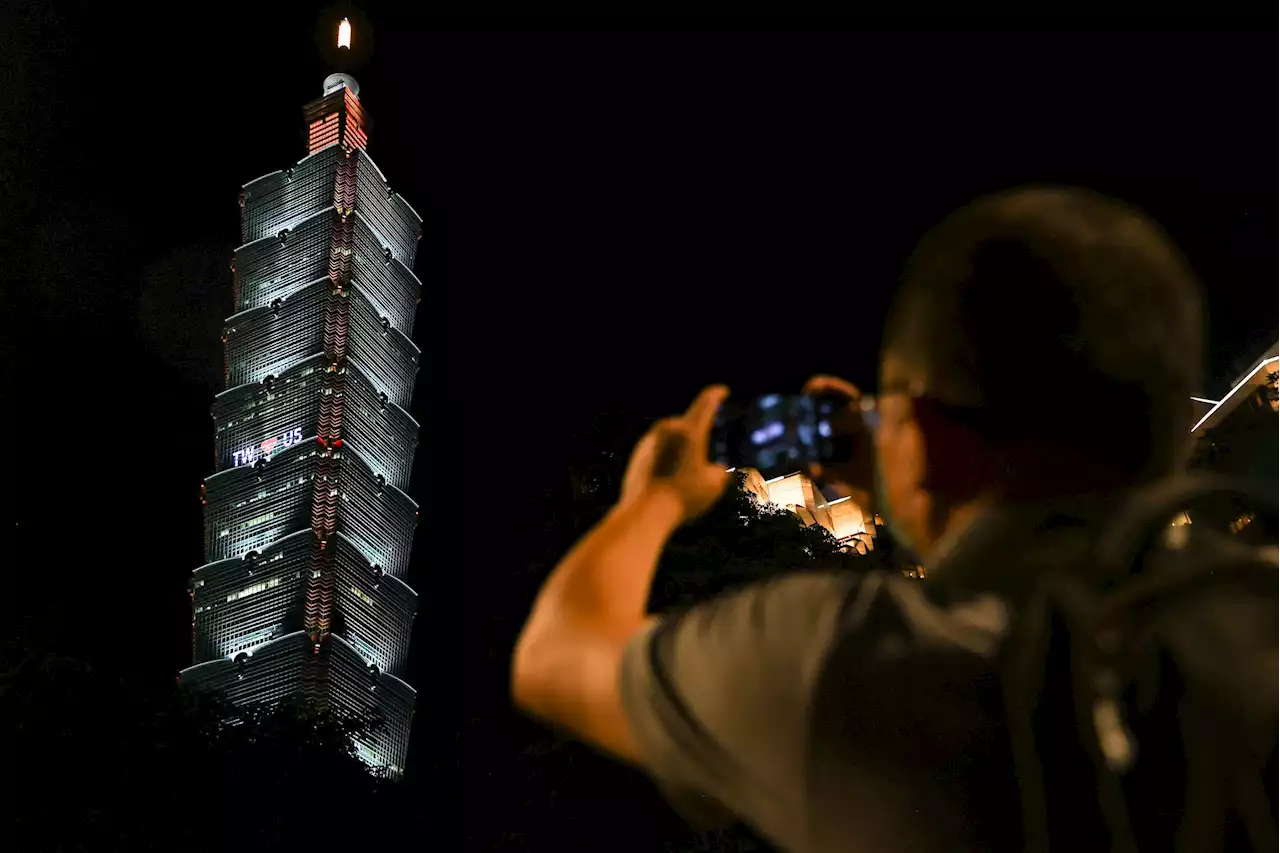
(611, 221)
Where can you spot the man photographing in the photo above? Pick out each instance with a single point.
(1038, 364)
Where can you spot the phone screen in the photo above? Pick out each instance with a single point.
(776, 434)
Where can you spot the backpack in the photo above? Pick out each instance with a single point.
(1143, 715)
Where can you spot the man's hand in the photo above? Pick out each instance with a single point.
(854, 474)
(673, 456)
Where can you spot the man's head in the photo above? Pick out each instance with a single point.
(1043, 342)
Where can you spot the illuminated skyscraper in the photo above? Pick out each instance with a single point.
(307, 527)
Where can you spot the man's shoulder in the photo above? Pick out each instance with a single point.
(878, 604)
(923, 614)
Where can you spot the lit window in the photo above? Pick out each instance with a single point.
(257, 520)
(250, 590)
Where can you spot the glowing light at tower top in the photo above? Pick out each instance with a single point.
(344, 34)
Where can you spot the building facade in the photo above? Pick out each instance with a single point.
(1237, 435)
(1248, 411)
(848, 523)
(307, 527)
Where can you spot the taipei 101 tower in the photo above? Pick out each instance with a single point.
(307, 528)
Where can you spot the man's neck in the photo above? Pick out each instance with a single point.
(959, 521)
(1005, 545)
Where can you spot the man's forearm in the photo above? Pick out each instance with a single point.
(569, 662)
(603, 582)
(566, 663)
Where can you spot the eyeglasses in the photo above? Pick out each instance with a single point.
(869, 409)
(868, 405)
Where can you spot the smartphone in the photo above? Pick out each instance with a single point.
(777, 434)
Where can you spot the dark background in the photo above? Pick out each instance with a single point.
(611, 222)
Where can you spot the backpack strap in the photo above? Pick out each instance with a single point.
(1066, 617)
(1175, 582)
(1060, 620)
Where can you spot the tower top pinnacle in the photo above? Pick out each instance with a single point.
(334, 82)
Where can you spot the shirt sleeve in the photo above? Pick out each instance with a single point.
(718, 698)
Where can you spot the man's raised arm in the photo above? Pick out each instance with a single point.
(567, 661)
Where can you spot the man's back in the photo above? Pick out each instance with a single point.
(840, 712)
(908, 748)
(990, 711)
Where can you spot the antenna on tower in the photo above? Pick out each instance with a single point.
(334, 82)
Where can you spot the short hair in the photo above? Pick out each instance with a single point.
(1058, 314)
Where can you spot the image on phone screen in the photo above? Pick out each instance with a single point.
(776, 434)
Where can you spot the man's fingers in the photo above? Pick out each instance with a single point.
(822, 384)
(701, 415)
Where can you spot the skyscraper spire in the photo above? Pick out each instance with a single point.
(340, 79)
